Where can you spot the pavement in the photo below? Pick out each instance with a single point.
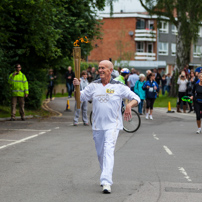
(50, 160)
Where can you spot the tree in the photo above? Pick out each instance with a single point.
(186, 16)
(39, 34)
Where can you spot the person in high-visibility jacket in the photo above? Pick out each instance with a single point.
(19, 89)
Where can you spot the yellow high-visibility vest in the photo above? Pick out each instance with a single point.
(18, 84)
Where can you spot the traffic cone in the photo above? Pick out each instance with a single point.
(169, 108)
(68, 105)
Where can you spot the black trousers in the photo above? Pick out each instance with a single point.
(50, 91)
(198, 109)
(150, 103)
(180, 95)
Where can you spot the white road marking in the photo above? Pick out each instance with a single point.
(168, 150)
(155, 137)
(182, 170)
(22, 140)
(28, 130)
(3, 140)
(41, 133)
(19, 141)
(57, 127)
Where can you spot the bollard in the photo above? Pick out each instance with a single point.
(62, 91)
(68, 105)
(54, 92)
(169, 108)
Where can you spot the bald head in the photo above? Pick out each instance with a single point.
(107, 63)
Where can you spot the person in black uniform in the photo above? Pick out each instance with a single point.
(50, 80)
(197, 97)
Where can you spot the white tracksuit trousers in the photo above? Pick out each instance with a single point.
(105, 141)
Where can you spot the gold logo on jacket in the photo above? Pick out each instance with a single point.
(110, 91)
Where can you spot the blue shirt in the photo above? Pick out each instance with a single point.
(150, 92)
(133, 79)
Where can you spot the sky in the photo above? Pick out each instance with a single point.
(126, 6)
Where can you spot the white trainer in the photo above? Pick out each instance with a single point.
(147, 116)
(106, 189)
(198, 131)
(151, 117)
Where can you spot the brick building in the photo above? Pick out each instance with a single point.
(133, 40)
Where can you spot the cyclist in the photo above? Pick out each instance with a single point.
(123, 76)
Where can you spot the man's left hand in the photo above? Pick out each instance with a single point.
(26, 95)
(127, 113)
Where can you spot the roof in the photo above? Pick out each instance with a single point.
(141, 64)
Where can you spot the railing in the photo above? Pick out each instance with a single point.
(145, 35)
(145, 56)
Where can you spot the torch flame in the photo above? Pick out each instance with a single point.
(82, 40)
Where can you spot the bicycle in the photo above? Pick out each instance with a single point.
(130, 126)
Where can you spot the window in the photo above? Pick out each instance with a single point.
(140, 47)
(173, 49)
(163, 27)
(197, 51)
(163, 48)
(140, 24)
(150, 24)
(150, 48)
(174, 29)
(200, 32)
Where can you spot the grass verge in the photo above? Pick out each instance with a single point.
(162, 101)
(5, 112)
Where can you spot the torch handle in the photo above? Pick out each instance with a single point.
(77, 58)
(77, 88)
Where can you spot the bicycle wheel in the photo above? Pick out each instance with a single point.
(133, 124)
(91, 113)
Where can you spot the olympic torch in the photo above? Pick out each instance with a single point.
(77, 60)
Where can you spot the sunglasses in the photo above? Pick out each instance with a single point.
(18, 67)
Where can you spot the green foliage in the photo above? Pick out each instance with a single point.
(186, 16)
(34, 100)
(85, 65)
(39, 34)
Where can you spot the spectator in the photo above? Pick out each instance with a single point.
(148, 72)
(132, 79)
(182, 82)
(140, 92)
(132, 71)
(119, 70)
(157, 76)
(114, 74)
(93, 70)
(168, 82)
(151, 87)
(89, 72)
(19, 88)
(97, 75)
(84, 104)
(163, 86)
(69, 76)
(50, 80)
(190, 86)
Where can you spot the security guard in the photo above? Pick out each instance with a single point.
(19, 88)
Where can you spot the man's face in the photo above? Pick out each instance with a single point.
(93, 69)
(155, 70)
(69, 68)
(18, 68)
(104, 70)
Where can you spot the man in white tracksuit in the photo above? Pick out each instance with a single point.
(107, 95)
